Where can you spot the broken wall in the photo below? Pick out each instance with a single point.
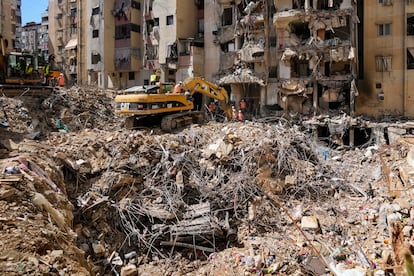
(315, 48)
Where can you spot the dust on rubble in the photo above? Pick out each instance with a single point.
(79, 195)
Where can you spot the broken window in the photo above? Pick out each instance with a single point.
(273, 72)
(410, 24)
(151, 24)
(122, 31)
(227, 18)
(170, 19)
(95, 11)
(383, 63)
(95, 33)
(301, 30)
(327, 4)
(184, 47)
(298, 4)
(131, 76)
(410, 58)
(228, 47)
(384, 29)
(136, 5)
(172, 51)
(95, 58)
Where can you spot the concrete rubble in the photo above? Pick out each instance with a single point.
(80, 195)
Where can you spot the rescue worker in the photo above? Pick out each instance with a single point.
(29, 69)
(178, 87)
(61, 80)
(212, 107)
(242, 105)
(234, 112)
(240, 116)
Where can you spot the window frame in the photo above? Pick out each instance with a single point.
(169, 20)
(382, 29)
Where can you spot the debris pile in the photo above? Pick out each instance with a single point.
(214, 199)
(65, 110)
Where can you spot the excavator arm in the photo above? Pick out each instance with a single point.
(211, 90)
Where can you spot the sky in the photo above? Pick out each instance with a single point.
(32, 10)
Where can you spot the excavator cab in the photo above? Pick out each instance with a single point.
(22, 69)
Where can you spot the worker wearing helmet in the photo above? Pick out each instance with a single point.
(178, 87)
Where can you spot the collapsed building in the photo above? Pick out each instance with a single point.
(316, 54)
(300, 55)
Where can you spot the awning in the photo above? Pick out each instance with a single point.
(71, 44)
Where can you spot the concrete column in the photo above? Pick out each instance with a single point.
(307, 4)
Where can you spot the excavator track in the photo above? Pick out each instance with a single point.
(179, 120)
(25, 90)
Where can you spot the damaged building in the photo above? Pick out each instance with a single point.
(316, 49)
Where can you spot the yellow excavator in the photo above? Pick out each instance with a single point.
(20, 74)
(170, 110)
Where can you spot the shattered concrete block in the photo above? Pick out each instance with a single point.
(310, 222)
(98, 248)
(407, 230)
(129, 270)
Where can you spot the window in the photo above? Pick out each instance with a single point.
(384, 29)
(227, 18)
(122, 31)
(378, 85)
(95, 33)
(410, 24)
(385, 2)
(170, 19)
(272, 41)
(383, 63)
(135, 28)
(410, 58)
(95, 11)
(95, 58)
(73, 29)
(136, 5)
(273, 72)
(131, 76)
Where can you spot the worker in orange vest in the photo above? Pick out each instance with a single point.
(61, 80)
(240, 116)
(178, 87)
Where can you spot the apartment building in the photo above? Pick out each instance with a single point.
(18, 24)
(10, 20)
(31, 35)
(386, 81)
(173, 32)
(316, 42)
(43, 43)
(63, 32)
(238, 53)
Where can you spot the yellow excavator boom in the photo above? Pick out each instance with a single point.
(211, 90)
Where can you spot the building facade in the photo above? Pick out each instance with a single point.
(386, 81)
(10, 21)
(63, 36)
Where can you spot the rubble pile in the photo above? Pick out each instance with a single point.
(214, 199)
(65, 110)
